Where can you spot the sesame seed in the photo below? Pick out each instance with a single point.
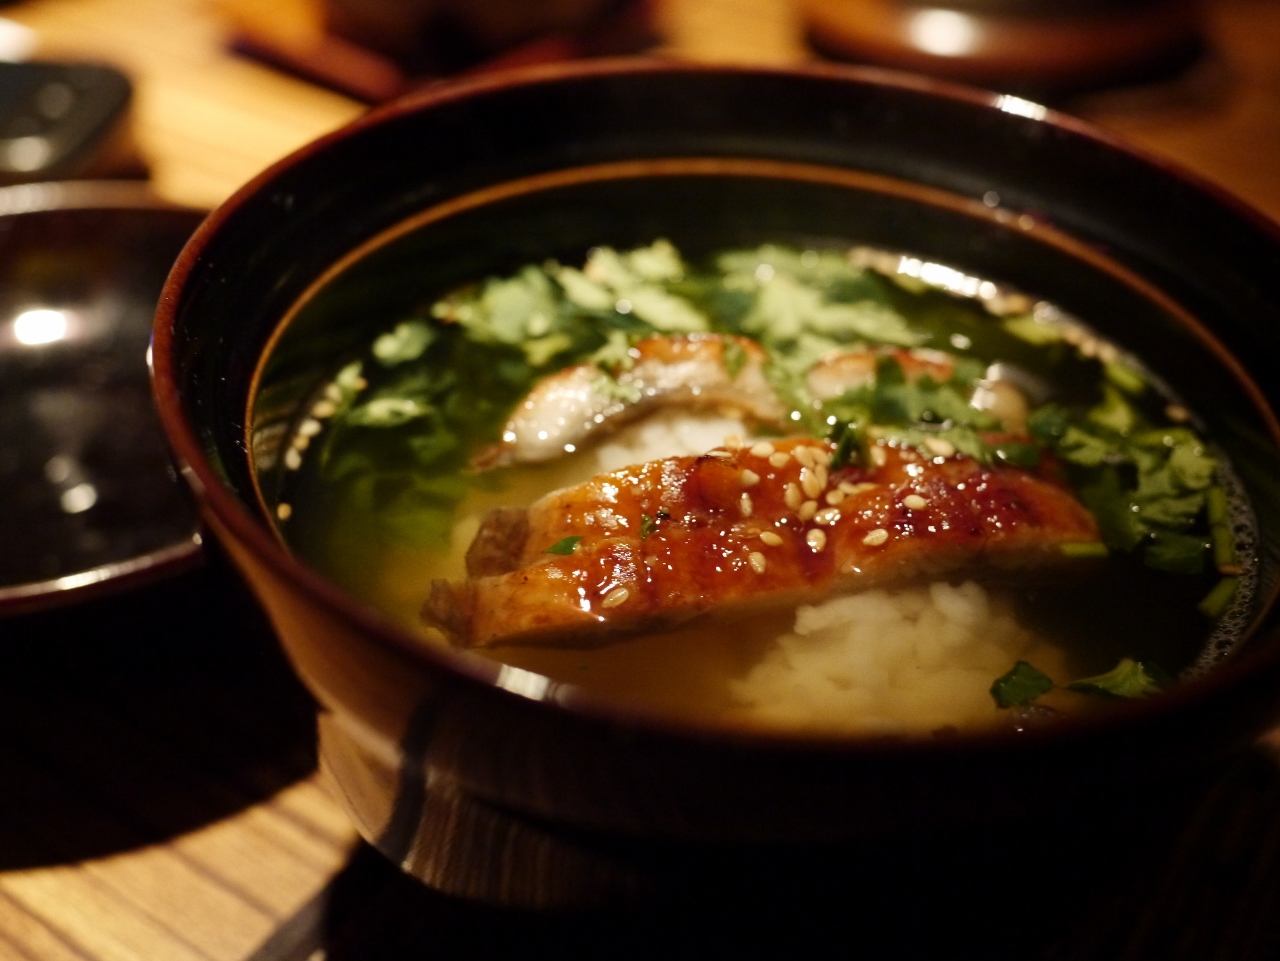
(750, 478)
(719, 454)
(808, 509)
(732, 441)
(822, 457)
(803, 455)
(943, 448)
(827, 516)
(915, 502)
(615, 597)
(847, 487)
(309, 427)
(779, 459)
(770, 538)
(292, 458)
(762, 449)
(791, 494)
(835, 497)
(876, 537)
(1177, 414)
(823, 475)
(757, 562)
(301, 441)
(333, 392)
(745, 504)
(323, 409)
(809, 482)
(856, 489)
(284, 511)
(816, 539)
(878, 456)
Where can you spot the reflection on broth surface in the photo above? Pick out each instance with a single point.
(802, 489)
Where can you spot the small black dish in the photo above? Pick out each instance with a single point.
(92, 501)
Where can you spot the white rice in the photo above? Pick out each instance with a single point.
(902, 661)
(666, 433)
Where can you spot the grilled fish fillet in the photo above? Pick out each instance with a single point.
(579, 404)
(767, 525)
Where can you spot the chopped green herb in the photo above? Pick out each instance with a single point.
(614, 354)
(1109, 503)
(1220, 531)
(1217, 601)
(1125, 377)
(408, 341)
(1026, 456)
(1114, 413)
(565, 546)
(647, 525)
(1021, 685)
(734, 357)
(1048, 424)
(1025, 327)
(851, 442)
(610, 387)
(1129, 678)
(1086, 449)
(1175, 553)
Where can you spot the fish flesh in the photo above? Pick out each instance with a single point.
(580, 404)
(762, 525)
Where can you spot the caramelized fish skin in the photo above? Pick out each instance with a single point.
(704, 547)
(576, 406)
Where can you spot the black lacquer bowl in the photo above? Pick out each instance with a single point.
(536, 794)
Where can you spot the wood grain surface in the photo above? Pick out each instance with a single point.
(159, 799)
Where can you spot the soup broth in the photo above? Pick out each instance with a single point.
(389, 473)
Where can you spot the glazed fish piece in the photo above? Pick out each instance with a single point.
(580, 404)
(768, 525)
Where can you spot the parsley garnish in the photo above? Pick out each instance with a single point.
(734, 357)
(1129, 678)
(1022, 685)
(565, 546)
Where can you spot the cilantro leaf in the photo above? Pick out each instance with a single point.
(407, 341)
(1114, 413)
(1026, 456)
(1129, 678)
(564, 547)
(1048, 423)
(734, 357)
(1121, 527)
(1217, 601)
(1021, 685)
(647, 526)
(1175, 553)
(1085, 449)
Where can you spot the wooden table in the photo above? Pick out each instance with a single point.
(158, 794)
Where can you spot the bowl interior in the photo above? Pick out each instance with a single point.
(707, 160)
(703, 207)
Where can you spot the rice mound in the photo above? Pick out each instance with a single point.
(910, 660)
(667, 433)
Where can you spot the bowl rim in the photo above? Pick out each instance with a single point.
(217, 500)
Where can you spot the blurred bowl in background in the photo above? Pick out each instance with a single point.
(91, 499)
(1040, 45)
